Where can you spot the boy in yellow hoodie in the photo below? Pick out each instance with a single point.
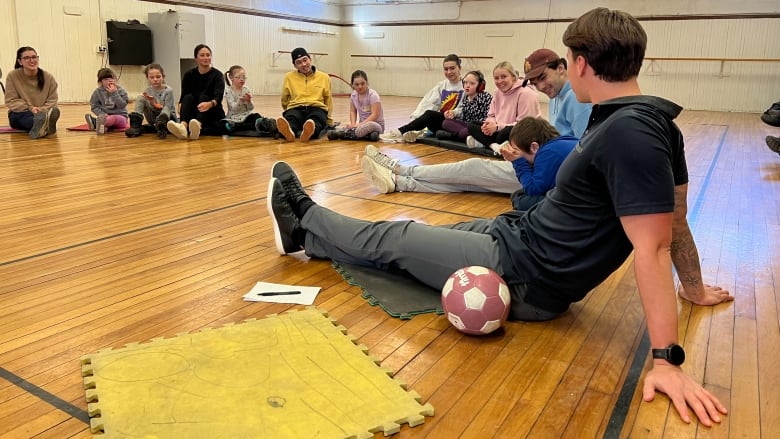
(307, 103)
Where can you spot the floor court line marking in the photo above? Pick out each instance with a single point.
(620, 410)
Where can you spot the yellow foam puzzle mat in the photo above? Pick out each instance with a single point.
(291, 375)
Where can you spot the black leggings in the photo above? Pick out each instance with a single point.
(430, 119)
(500, 136)
(248, 124)
(210, 120)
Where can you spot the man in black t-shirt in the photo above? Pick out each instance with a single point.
(622, 189)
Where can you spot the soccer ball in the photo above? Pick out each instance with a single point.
(475, 300)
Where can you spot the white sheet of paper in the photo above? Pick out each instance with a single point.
(259, 293)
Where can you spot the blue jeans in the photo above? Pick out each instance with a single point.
(21, 120)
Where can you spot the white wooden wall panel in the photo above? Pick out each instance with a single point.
(67, 46)
(8, 41)
(253, 42)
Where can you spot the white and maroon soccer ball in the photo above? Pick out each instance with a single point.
(475, 300)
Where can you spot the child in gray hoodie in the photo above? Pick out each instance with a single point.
(109, 104)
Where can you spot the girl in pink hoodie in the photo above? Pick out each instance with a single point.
(511, 102)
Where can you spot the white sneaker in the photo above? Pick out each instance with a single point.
(379, 176)
(392, 136)
(471, 142)
(381, 158)
(177, 129)
(412, 136)
(496, 147)
(195, 129)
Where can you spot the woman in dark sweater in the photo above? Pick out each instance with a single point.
(200, 105)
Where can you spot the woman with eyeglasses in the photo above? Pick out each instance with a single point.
(31, 96)
(238, 98)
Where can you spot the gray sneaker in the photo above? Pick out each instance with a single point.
(40, 125)
(53, 117)
(381, 158)
(100, 124)
(378, 175)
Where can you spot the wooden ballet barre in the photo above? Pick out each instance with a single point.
(722, 61)
(656, 58)
(275, 56)
(426, 58)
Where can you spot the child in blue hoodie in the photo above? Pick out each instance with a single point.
(536, 151)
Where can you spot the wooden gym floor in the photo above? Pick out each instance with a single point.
(108, 240)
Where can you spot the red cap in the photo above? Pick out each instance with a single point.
(536, 62)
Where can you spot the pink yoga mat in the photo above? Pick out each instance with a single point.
(6, 130)
(85, 127)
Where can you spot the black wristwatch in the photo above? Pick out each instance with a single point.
(673, 353)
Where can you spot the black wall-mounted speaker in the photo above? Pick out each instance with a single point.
(129, 43)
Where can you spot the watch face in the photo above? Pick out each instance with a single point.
(676, 355)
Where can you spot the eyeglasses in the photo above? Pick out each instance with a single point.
(243, 78)
(30, 58)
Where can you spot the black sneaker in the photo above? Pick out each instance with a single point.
(54, 116)
(136, 122)
(292, 185)
(773, 143)
(160, 124)
(771, 117)
(445, 135)
(283, 218)
(335, 135)
(266, 125)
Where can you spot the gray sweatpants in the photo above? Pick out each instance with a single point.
(143, 106)
(429, 253)
(470, 175)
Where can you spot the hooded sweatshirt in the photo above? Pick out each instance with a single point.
(508, 108)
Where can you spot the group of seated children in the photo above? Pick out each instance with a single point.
(454, 109)
(200, 106)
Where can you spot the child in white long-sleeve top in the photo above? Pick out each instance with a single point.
(109, 104)
(238, 97)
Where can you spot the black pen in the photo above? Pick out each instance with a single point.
(278, 293)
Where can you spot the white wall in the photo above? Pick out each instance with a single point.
(67, 43)
(504, 10)
(743, 86)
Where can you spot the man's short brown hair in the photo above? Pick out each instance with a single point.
(613, 43)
